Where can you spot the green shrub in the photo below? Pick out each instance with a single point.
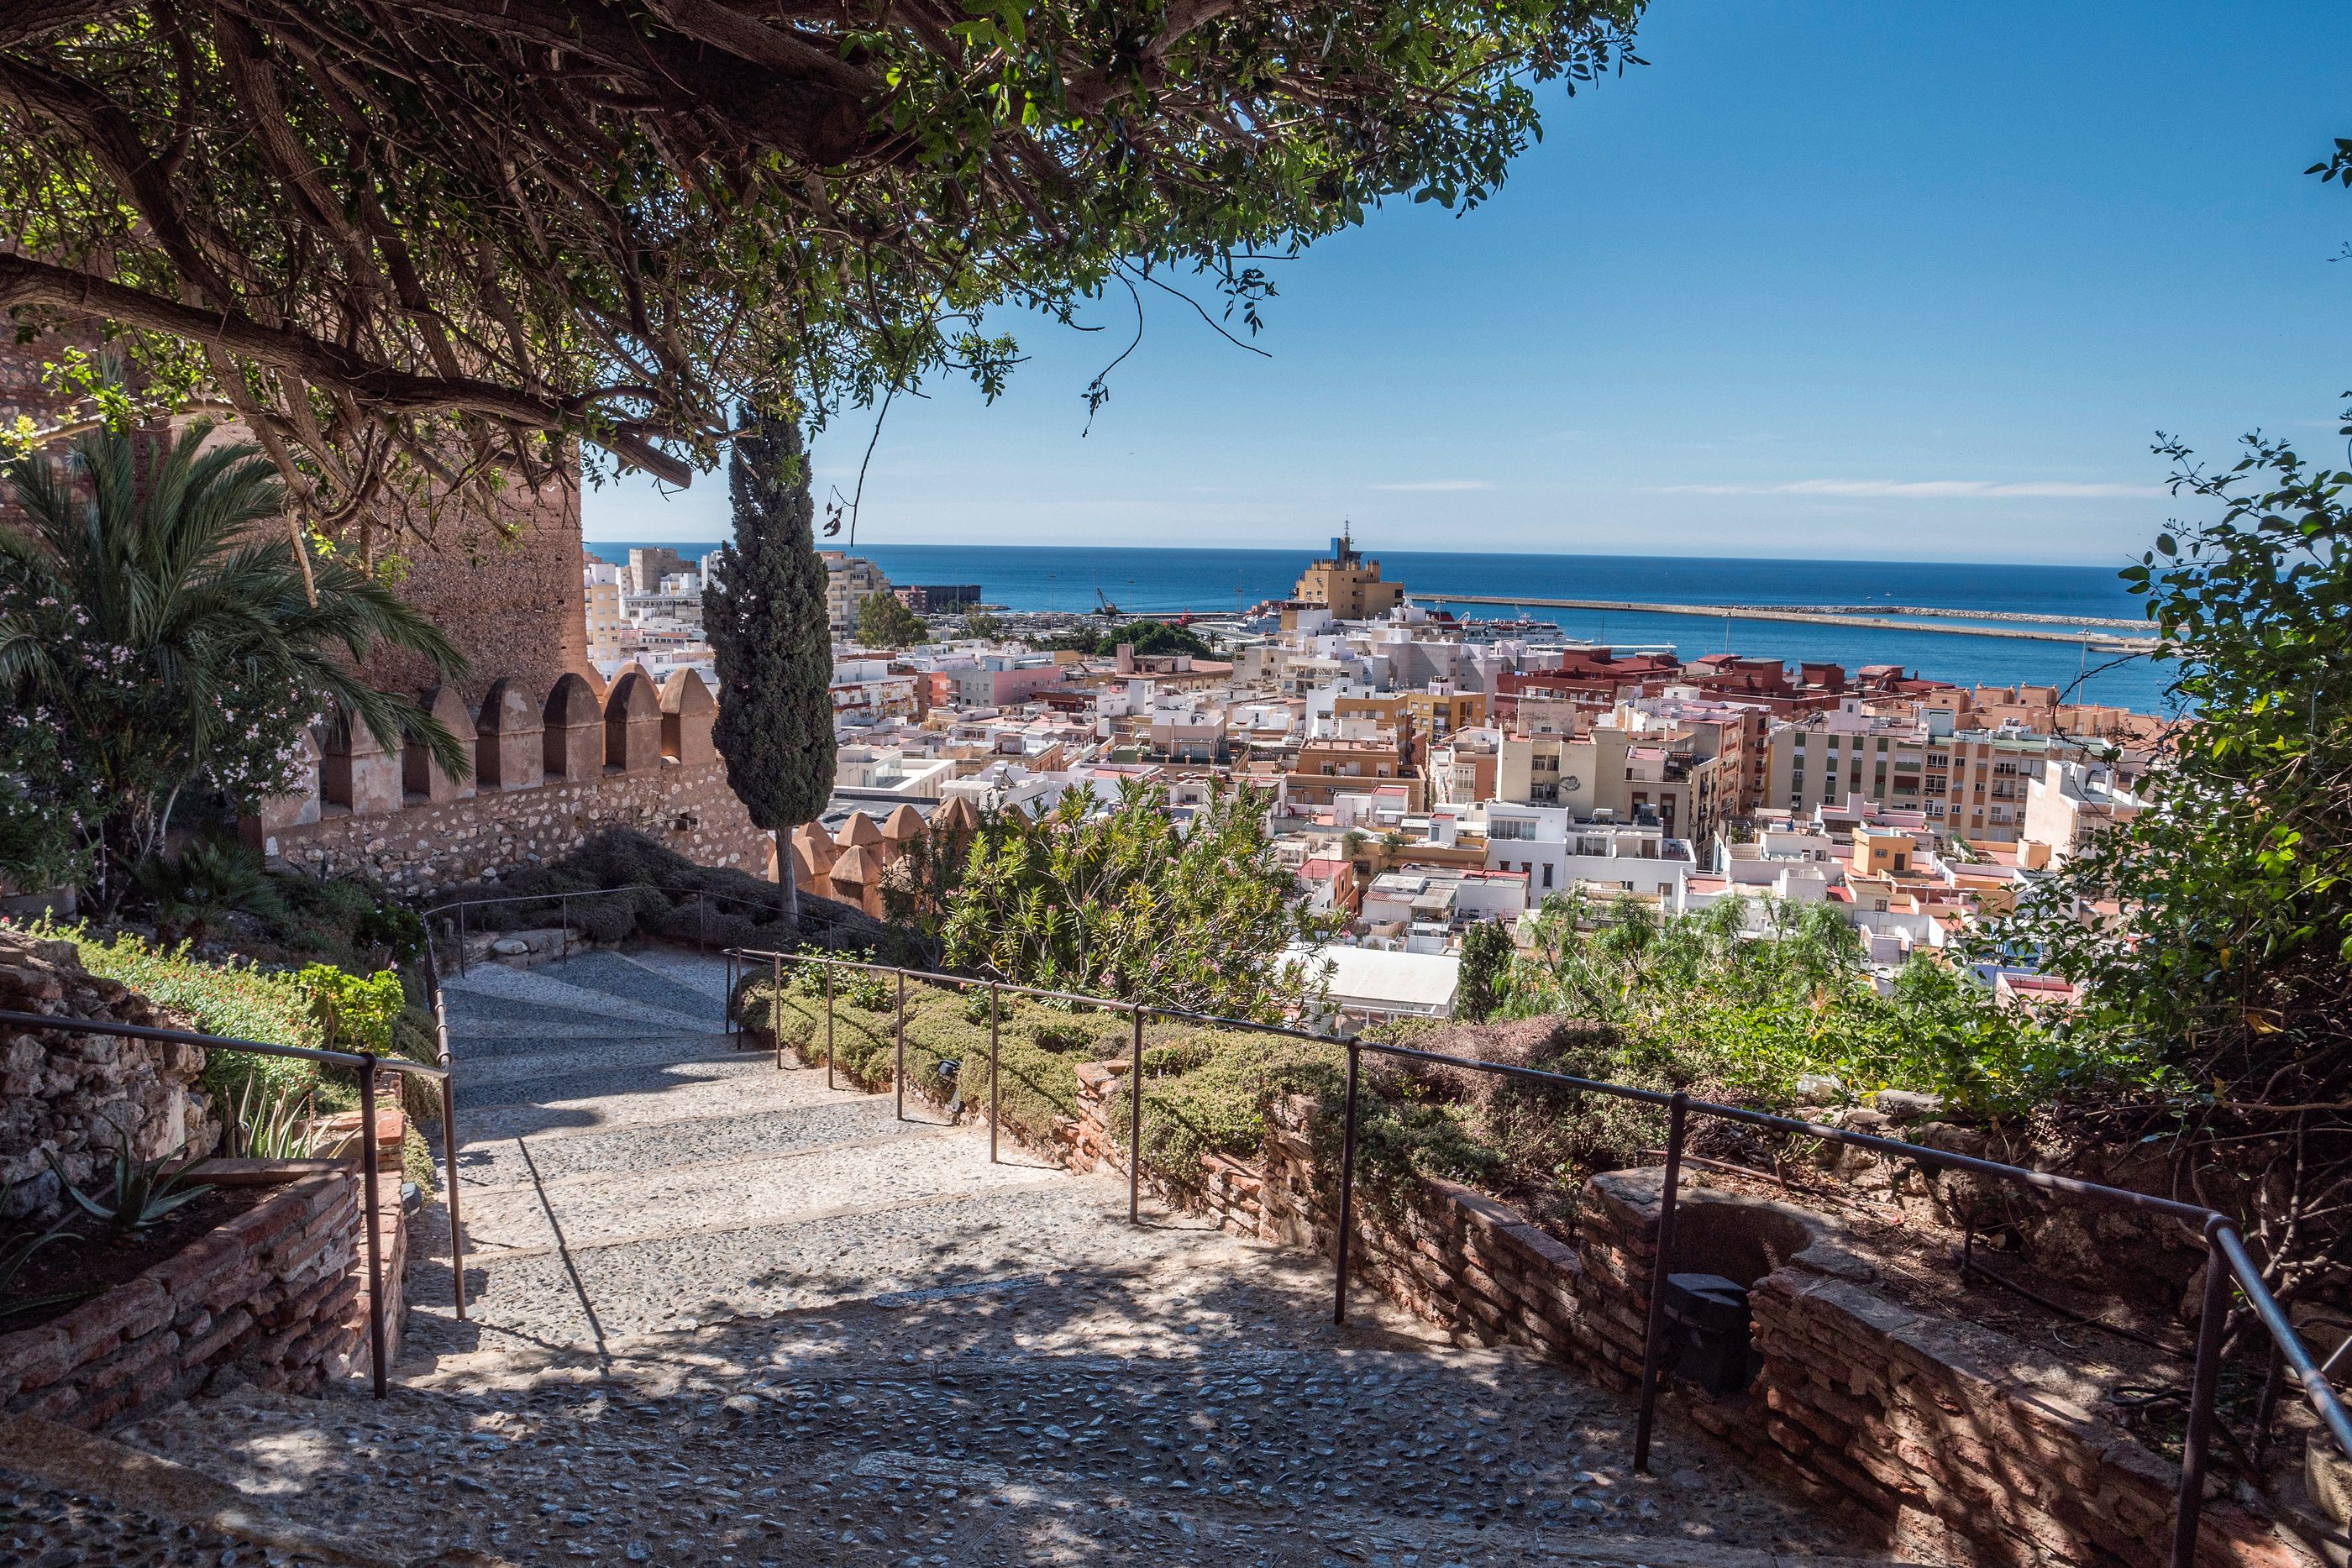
(354, 1013)
(234, 999)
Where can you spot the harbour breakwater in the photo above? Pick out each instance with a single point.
(1833, 616)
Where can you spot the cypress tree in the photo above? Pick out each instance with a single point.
(764, 613)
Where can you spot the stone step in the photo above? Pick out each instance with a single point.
(570, 1105)
(699, 971)
(514, 1066)
(625, 979)
(900, 1163)
(683, 1143)
(584, 1295)
(544, 988)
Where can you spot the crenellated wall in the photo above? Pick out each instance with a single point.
(552, 769)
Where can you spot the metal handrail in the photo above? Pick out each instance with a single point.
(366, 1064)
(2227, 1259)
(562, 901)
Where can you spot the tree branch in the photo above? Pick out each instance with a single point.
(386, 391)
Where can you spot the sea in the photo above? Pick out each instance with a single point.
(1219, 581)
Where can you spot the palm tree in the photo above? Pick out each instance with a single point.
(158, 630)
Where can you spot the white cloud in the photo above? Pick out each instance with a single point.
(1923, 489)
(1441, 485)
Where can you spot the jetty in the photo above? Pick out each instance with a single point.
(1844, 616)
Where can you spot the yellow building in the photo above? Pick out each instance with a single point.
(1348, 585)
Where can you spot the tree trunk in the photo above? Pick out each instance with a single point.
(789, 882)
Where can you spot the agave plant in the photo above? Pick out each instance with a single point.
(280, 1126)
(146, 1192)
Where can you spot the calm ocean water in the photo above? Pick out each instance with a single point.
(1038, 577)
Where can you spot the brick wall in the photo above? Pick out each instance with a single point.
(276, 1296)
(506, 589)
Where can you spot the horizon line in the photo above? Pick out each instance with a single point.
(2123, 560)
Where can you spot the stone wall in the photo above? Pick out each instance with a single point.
(1940, 1437)
(276, 1296)
(550, 771)
(74, 1094)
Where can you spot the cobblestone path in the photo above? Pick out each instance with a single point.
(722, 1315)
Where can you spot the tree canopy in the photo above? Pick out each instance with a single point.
(885, 621)
(764, 611)
(1128, 903)
(2229, 944)
(1147, 637)
(420, 244)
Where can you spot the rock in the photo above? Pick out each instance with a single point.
(1904, 1105)
(1952, 1140)
(511, 947)
(2327, 1476)
(1820, 1088)
(1872, 1124)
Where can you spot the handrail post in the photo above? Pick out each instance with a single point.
(1346, 1191)
(995, 1096)
(449, 1137)
(370, 1200)
(898, 1071)
(776, 1009)
(828, 1025)
(449, 1164)
(1135, 1122)
(2202, 1385)
(1662, 1264)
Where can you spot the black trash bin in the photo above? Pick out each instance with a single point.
(1706, 1325)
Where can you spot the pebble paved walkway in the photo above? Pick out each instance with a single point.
(722, 1315)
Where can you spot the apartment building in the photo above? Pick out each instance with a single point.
(1558, 850)
(849, 581)
(2071, 803)
(1323, 768)
(1627, 772)
(1970, 784)
(648, 566)
(608, 626)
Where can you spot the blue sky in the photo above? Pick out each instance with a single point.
(1855, 281)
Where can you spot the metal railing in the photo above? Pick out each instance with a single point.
(366, 1064)
(562, 901)
(2227, 1260)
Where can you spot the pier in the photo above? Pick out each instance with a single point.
(1838, 616)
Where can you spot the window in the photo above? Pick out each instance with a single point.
(1510, 828)
(1547, 876)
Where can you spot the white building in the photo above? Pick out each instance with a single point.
(1558, 851)
(1366, 986)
